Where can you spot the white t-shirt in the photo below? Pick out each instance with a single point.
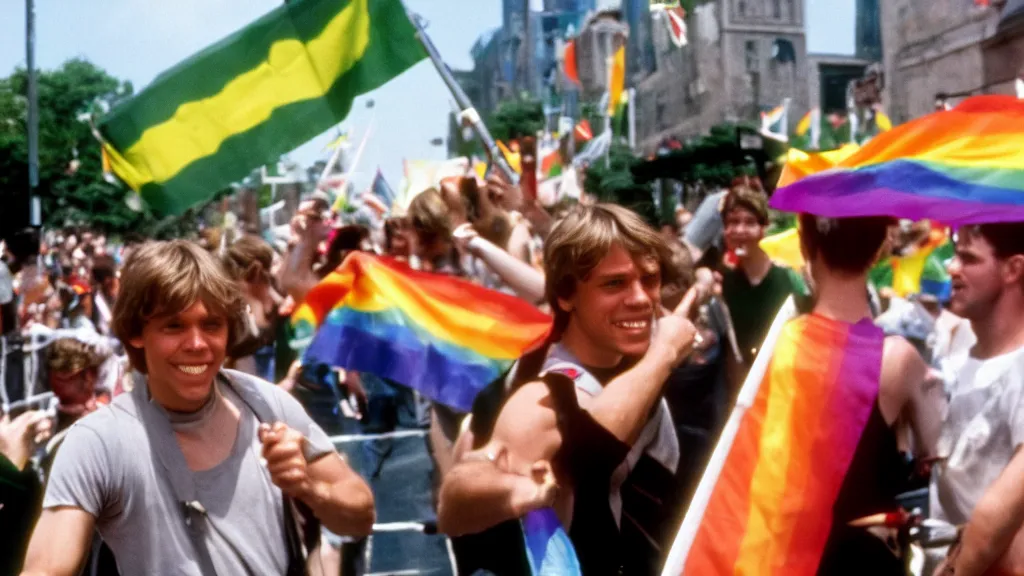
(983, 427)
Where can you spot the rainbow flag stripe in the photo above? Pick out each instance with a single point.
(961, 166)
(548, 548)
(443, 336)
(770, 511)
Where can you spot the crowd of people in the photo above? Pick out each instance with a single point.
(159, 419)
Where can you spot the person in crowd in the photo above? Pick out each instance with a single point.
(591, 420)
(703, 232)
(976, 482)
(20, 488)
(75, 304)
(198, 470)
(105, 284)
(840, 253)
(396, 244)
(756, 288)
(248, 261)
(8, 302)
(430, 234)
(73, 368)
(696, 392)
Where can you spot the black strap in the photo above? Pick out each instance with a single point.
(588, 449)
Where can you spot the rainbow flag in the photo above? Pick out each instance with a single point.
(961, 166)
(549, 550)
(770, 510)
(445, 337)
(784, 248)
(800, 164)
(923, 272)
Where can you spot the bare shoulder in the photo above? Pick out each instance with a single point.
(902, 370)
(898, 356)
(528, 423)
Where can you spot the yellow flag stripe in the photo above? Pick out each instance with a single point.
(293, 72)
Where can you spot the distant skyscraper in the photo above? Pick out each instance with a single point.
(869, 30)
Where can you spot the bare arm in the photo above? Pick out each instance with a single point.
(527, 281)
(336, 494)
(519, 243)
(339, 497)
(908, 390)
(494, 483)
(296, 276)
(60, 542)
(995, 522)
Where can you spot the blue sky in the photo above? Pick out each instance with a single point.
(137, 39)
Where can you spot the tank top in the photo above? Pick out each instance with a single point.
(613, 509)
(877, 474)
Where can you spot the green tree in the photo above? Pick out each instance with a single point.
(516, 118)
(613, 181)
(71, 185)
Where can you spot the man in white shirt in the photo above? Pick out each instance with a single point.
(978, 482)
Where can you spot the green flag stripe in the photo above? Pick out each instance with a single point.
(206, 73)
(392, 49)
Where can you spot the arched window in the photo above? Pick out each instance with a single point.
(783, 51)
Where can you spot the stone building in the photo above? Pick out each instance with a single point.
(935, 48)
(743, 56)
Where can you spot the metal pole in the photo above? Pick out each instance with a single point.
(467, 112)
(610, 63)
(632, 118)
(35, 218)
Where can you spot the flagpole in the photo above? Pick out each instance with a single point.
(676, 561)
(467, 113)
(35, 216)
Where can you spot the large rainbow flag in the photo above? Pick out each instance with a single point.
(765, 505)
(960, 166)
(445, 337)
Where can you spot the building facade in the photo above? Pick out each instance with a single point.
(743, 56)
(935, 48)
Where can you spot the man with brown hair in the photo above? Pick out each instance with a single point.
(198, 470)
(756, 287)
(594, 416)
(977, 482)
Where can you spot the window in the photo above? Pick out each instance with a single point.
(777, 9)
(750, 55)
(783, 51)
(741, 7)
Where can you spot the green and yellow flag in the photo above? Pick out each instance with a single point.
(255, 95)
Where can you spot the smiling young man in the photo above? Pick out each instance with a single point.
(198, 470)
(756, 288)
(592, 419)
(978, 481)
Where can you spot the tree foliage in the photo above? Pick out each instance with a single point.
(613, 181)
(516, 118)
(71, 188)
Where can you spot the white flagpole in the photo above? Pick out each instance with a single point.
(816, 129)
(698, 505)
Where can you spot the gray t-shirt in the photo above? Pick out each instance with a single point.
(107, 467)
